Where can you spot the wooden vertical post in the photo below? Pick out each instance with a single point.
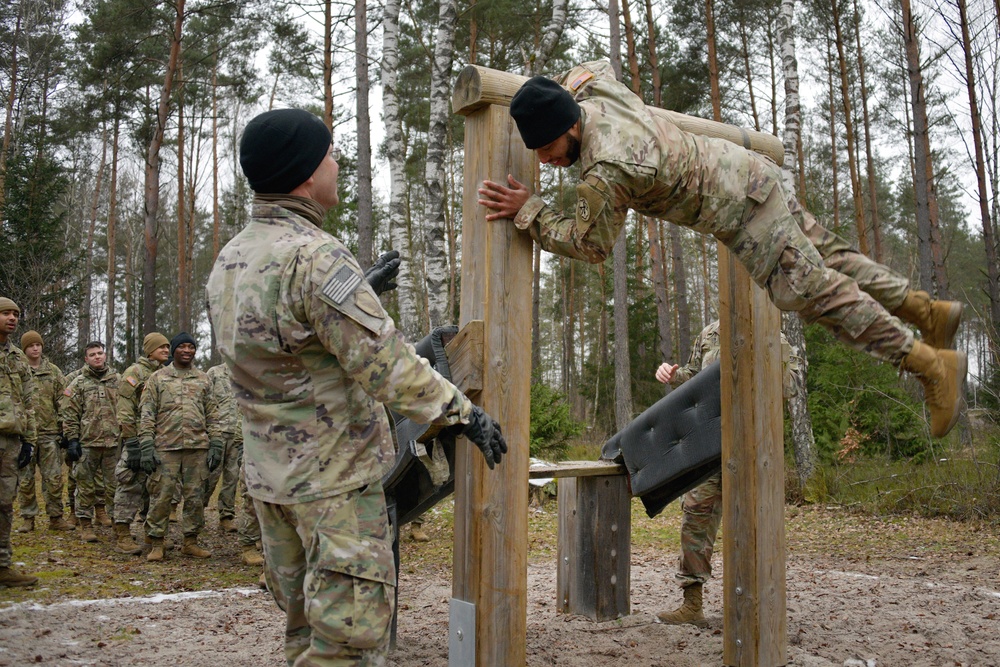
(753, 472)
(491, 507)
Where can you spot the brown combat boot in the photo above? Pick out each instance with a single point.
(942, 372)
(101, 517)
(227, 525)
(72, 520)
(688, 612)
(87, 533)
(191, 548)
(59, 523)
(125, 543)
(27, 525)
(262, 582)
(167, 544)
(251, 556)
(937, 320)
(156, 553)
(11, 577)
(417, 534)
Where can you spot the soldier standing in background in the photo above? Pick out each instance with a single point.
(128, 472)
(17, 434)
(232, 453)
(87, 410)
(702, 505)
(315, 361)
(180, 440)
(48, 457)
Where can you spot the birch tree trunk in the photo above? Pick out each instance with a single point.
(803, 441)
(366, 229)
(550, 36)
(395, 149)
(435, 255)
(152, 181)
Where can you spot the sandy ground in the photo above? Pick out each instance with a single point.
(891, 613)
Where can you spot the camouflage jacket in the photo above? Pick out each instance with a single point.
(49, 385)
(222, 392)
(631, 159)
(17, 394)
(87, 409)
(708, 346)
(315, 361)
(177, 410)
(130, 391)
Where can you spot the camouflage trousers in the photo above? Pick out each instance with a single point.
(330, 567)
(130, 490)
(229, 472)
(96, 466)
(249, 528)
(10, 447)
(49, 461)
(702, 507)
(71, 485)
(821, 276)
(186, 468)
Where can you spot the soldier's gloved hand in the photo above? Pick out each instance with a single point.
(147, 457)
(382, 274)
(73, 451)
(485, 432)
(214, 454)
(63, 442)
(133, 454)
(24, 456)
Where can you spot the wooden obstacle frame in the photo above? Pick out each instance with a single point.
(491, 361)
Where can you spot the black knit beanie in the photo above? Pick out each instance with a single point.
(178, 340)
(543, 111)
(281, 149)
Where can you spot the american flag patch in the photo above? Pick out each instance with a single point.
(131, 381)
(341, 284)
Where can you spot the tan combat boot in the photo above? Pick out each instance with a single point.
(251, 556)
(937, 320)
(417, 534)
(59, 523)
(87, 533)
(167, 544)
(101, 517)
(942, 372)
(11, 577)
(125, 543)
(689, 611)
(191, 548)
(227, 525)
(156, 553)
(262, 582)
(72, 520)
(27, 525)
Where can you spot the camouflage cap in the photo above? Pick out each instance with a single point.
(30, 338)
(543, 111)
(8, 304)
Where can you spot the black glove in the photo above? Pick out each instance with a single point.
(148, 460)
(63, 442)
(383, 272)
(215, 449)
(24, 456)
(485, 432)
(133, 454)
(73, 451)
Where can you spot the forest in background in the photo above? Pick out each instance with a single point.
(120, 178)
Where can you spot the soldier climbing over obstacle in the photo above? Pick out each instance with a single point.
(631, 159)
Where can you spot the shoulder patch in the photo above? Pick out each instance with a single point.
(131, 380)
(580, 80)
(67, 391)
(341, 283)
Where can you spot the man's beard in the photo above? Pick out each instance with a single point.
(572, 149)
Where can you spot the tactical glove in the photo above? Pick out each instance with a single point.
(214, 455)
(63, 442)
(383, 272)
(73, 451)
(485, 432)
(133, 454)
(148, 460)
(24, 456)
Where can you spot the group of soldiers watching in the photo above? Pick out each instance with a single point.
(150, 443)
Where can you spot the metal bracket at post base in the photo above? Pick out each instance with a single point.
(461, 633)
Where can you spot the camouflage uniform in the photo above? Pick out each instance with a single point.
(48, 458)
(229, 469)
(71, 475)
(178, 413)
(315, 361)
(87, 409)
(631, 159)
(17, 419)
(131, 484)
(249, 527)
(702, 505)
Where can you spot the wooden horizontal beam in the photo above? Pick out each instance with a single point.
(478, 87)
(564, 469)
